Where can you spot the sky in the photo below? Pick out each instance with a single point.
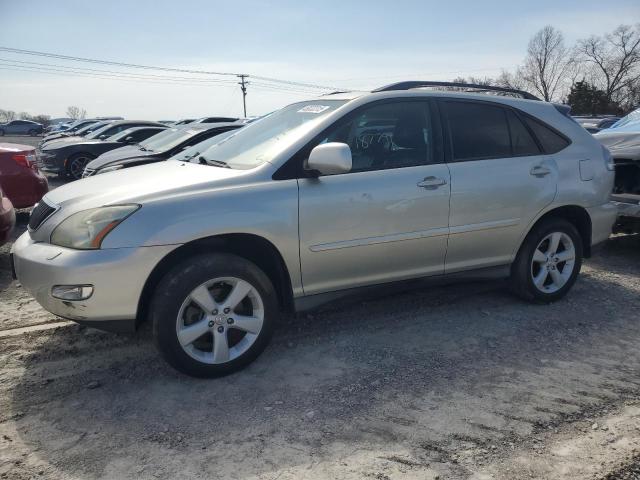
(342, 44)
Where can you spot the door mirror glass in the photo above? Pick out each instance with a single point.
(330, 158)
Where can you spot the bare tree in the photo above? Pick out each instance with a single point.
(76, 113)
(547, 63)
(614, 58)
(7, 116)
(511, 80)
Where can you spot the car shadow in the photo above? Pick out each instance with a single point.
(425, 373)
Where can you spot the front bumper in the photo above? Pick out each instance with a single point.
(50, 163)
(117, 275)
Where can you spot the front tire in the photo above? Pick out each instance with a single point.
(76, 164)
(548, 262)
(1, 133)
(33, 133)
(213, 314)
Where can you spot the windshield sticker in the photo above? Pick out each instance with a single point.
(313, 109)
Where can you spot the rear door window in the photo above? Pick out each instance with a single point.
(478, 131)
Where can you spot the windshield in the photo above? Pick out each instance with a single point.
(192, 153)
(100, 130)
(261, 140)
(168, 139)
(88, 128)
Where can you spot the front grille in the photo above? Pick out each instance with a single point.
(39, 214)
(88, 172)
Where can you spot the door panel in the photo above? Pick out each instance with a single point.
(372, 227)
(492, 202)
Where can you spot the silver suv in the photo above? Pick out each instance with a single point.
(321, 198)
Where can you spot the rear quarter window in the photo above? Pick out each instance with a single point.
(550, 140)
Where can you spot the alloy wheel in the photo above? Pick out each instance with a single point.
(553, 262)
(77, 166)
(220, 320)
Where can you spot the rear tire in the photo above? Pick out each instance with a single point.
(548, 262)
(1, 133)
(204, 324)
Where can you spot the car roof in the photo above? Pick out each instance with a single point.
(208, 126)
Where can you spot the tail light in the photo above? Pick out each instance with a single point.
(608, 159)
(27, 160)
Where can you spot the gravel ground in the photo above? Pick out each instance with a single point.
(456, 382)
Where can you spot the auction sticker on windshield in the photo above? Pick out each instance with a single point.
(313, 109)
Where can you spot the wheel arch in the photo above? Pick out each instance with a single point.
(254, 248)
(576, 215)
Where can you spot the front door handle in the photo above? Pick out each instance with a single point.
(540, 171)
(431, 183)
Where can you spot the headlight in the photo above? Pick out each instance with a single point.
(109, 169)
(86, 230)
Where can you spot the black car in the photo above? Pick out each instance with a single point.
(157, 148)
(69, 155)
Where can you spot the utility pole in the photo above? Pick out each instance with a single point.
(243, 87)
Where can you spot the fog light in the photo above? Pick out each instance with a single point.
(72, 292)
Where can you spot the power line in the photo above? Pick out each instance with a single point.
(167, 69)
(139, 78)
(276, 83)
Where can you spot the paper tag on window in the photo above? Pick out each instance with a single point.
(313, 109)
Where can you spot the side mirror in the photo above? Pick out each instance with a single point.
(102, 137)
(330, 158)
(128, 140)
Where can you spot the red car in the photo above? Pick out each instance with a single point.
(19, 176)
(7, 218)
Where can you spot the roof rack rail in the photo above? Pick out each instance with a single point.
(487, 88)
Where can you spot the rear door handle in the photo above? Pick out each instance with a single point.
(540, 171)
(431, 183)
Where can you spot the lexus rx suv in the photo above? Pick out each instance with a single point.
(339, 194)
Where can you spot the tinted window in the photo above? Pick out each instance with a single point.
(551, 141)
(521, 140)
(478, 131)
(389, 135)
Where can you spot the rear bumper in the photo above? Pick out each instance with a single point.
(32, 188)
(117, 275)
(7, 219)
(603, 218)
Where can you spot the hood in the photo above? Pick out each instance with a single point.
(622, 145)
(127, 154)
(148, 182)
(64, 141)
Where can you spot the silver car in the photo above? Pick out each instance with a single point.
(319, 199)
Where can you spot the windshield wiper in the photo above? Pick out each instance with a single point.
(215, 163)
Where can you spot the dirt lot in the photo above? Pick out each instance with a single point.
(456, 382)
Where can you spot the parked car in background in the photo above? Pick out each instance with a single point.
(192, 154)
(304, 206)
(595, 123)
(21, 127)
(157, 148)
(623, 143)
(7, 218)
(78, 128)
(634, 116)
(69, 156)
(20, 179)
